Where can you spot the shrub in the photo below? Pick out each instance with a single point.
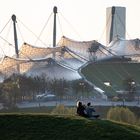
(61, 109)
(138, 122)
(121, 114)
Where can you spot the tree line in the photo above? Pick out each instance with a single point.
(19, 88)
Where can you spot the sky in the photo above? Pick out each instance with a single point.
(80, 20)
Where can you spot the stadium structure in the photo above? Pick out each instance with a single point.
(68, 57)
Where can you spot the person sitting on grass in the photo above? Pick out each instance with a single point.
(91, 111)
(81, 110)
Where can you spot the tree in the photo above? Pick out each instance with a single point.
(60, 87)
(130, 88)
(10, 93)
(17, 88)
(80, 87)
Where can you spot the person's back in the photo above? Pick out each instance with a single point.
(90, 111)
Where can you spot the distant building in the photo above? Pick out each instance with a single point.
(115, 23)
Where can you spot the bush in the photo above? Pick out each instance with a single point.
(61, 109)
(121, 114)
(138, 122)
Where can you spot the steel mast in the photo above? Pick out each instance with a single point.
(54, 29)
(15, 35)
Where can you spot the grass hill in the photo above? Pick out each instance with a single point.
(49, 127)
(113, 72)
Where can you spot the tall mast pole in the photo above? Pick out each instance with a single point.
(15, 35)
(54, 28)
(16, 41)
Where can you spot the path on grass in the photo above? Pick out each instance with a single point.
(73, 103)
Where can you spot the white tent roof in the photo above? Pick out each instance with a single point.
(122, 47)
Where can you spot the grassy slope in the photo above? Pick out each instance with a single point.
(98, 73)
(47, 127)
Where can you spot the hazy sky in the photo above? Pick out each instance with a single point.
(78, 19)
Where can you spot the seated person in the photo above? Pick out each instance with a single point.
(81, 110)
(90, 111)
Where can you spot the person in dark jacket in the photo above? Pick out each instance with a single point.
(81, 111)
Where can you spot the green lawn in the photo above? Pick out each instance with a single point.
(49, 127)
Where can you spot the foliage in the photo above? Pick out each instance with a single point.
(19, 88)
(60, 87)
(61, 110)
(121, 114)
(81, 86)
(129, 86)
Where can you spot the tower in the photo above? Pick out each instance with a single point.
(115, 23)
